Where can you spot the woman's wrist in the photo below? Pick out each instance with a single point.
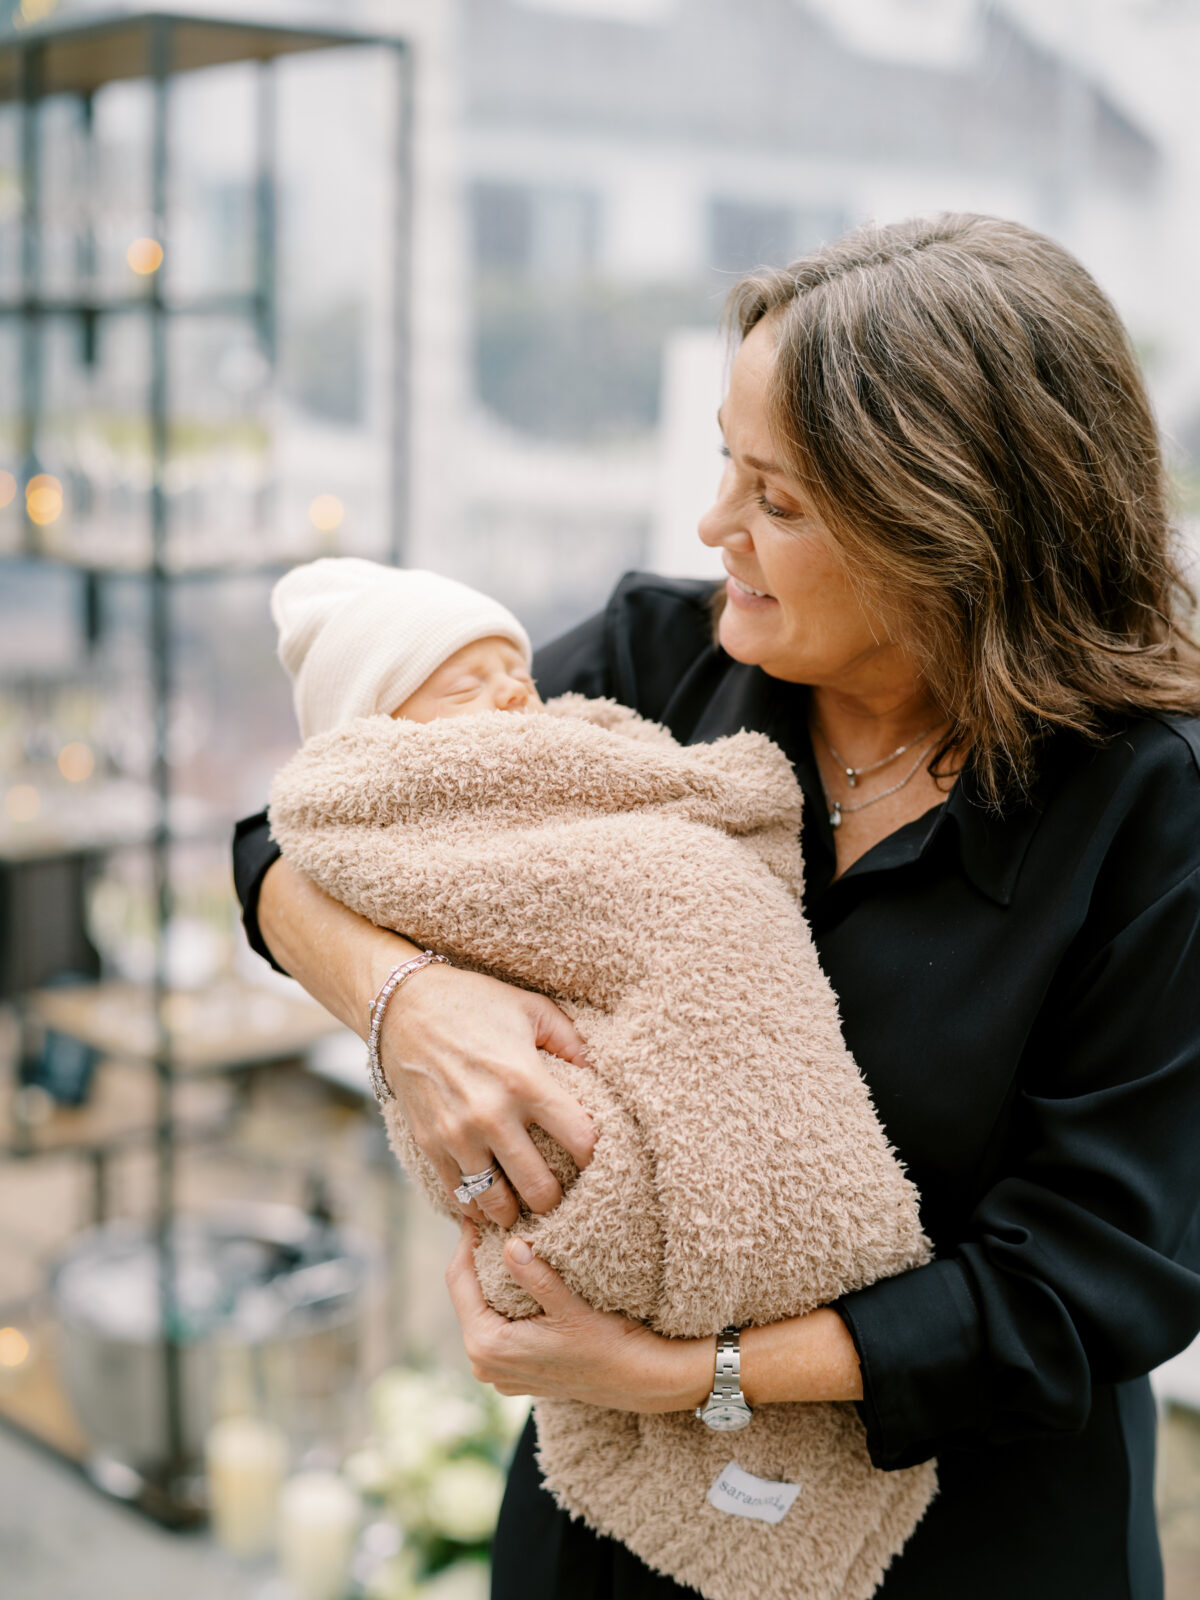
(806, 1358)
(338, 956)
(669, 1374)
(697, 1368)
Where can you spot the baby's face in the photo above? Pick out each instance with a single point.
(489, 675)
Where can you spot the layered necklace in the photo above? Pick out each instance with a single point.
(852, 774)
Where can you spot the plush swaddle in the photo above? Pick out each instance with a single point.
(740, 1174)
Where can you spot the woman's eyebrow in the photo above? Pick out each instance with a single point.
(754, 461)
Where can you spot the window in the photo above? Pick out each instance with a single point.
(546, 233)
(743, 236)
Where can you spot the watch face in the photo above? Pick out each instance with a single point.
(726, 1418)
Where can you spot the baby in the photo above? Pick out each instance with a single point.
(359, 639)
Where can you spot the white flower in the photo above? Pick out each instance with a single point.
(463, 1499)
(411, 1453)
(400, 1394)
(394, 1579)
(454, 1419)
(369, 1471)
(465, 1580)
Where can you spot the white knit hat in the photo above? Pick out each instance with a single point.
(358, 638)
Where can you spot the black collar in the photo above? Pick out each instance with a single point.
(990, 847)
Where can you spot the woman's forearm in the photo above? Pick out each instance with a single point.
(803, 1358)
(338, 956)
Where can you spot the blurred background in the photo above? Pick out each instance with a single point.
(436, 281)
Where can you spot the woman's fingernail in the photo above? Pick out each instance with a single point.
(520, 1252)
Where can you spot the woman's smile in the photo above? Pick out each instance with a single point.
(741, 594)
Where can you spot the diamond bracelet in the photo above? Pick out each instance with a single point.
(379, 1084)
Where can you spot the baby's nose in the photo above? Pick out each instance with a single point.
(512, 694)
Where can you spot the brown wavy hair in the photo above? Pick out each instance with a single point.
(966, 412)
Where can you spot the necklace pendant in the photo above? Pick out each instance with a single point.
(835, 816)
(852, 777)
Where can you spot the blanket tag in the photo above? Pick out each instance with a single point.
(741, 1494)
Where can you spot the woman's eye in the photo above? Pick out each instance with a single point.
(724, 450)
(771, 509)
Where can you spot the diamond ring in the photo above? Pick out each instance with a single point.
(473, 1186)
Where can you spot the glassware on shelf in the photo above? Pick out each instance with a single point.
(94, 442)
(122, 120)
(10, 200)
(214, 133)
(220, 468)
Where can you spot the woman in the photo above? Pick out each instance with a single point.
(951, 600)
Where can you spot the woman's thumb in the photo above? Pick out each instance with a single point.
(536, 1277)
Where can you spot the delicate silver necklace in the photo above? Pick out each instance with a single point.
(853, 774)
(837, 810)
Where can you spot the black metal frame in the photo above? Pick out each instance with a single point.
(158, 33)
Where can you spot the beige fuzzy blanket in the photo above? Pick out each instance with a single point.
(740, 1174)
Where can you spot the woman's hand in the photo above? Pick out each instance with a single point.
(573, 1352)
(460, 1053)
(570, 1351)
(459, 1049)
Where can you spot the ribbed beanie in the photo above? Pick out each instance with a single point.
(358, 638)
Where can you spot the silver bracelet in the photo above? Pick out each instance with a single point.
(375, 1011)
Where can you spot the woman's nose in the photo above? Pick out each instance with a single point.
(720, 526)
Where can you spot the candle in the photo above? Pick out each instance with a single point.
(246, 1459)
(318, 1520)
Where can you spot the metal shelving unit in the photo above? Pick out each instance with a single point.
(77, 58)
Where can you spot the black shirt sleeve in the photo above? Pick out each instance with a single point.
(254, 851)
(1080, 1265)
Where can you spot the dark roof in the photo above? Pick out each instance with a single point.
(768, 72)
(78, 52)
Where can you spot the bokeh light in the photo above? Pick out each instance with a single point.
(76, 762)
(43, 499)
(30, 12)
(326, 513)
(144, 256)
(14, 1347)
(8, 488)
(22, 802)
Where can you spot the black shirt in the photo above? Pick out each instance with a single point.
(1021, 996)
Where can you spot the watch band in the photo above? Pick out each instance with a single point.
(726, 1409)
(727, 1381)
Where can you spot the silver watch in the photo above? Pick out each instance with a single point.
(725, 1409)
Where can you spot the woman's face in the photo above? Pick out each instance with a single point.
(792, 608)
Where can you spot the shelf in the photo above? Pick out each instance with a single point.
(231, 566)
(232, 1024)
(119, 1115)
(243, 302)
(81, 54)
(94, 818)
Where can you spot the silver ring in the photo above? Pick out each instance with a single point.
(478, 1183)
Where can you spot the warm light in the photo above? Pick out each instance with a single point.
(326, 513)
(76, 762)
(43, 499)
(34, 11)
(8, 488)
(22, 802)
(145, 256)
(14, 1347)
